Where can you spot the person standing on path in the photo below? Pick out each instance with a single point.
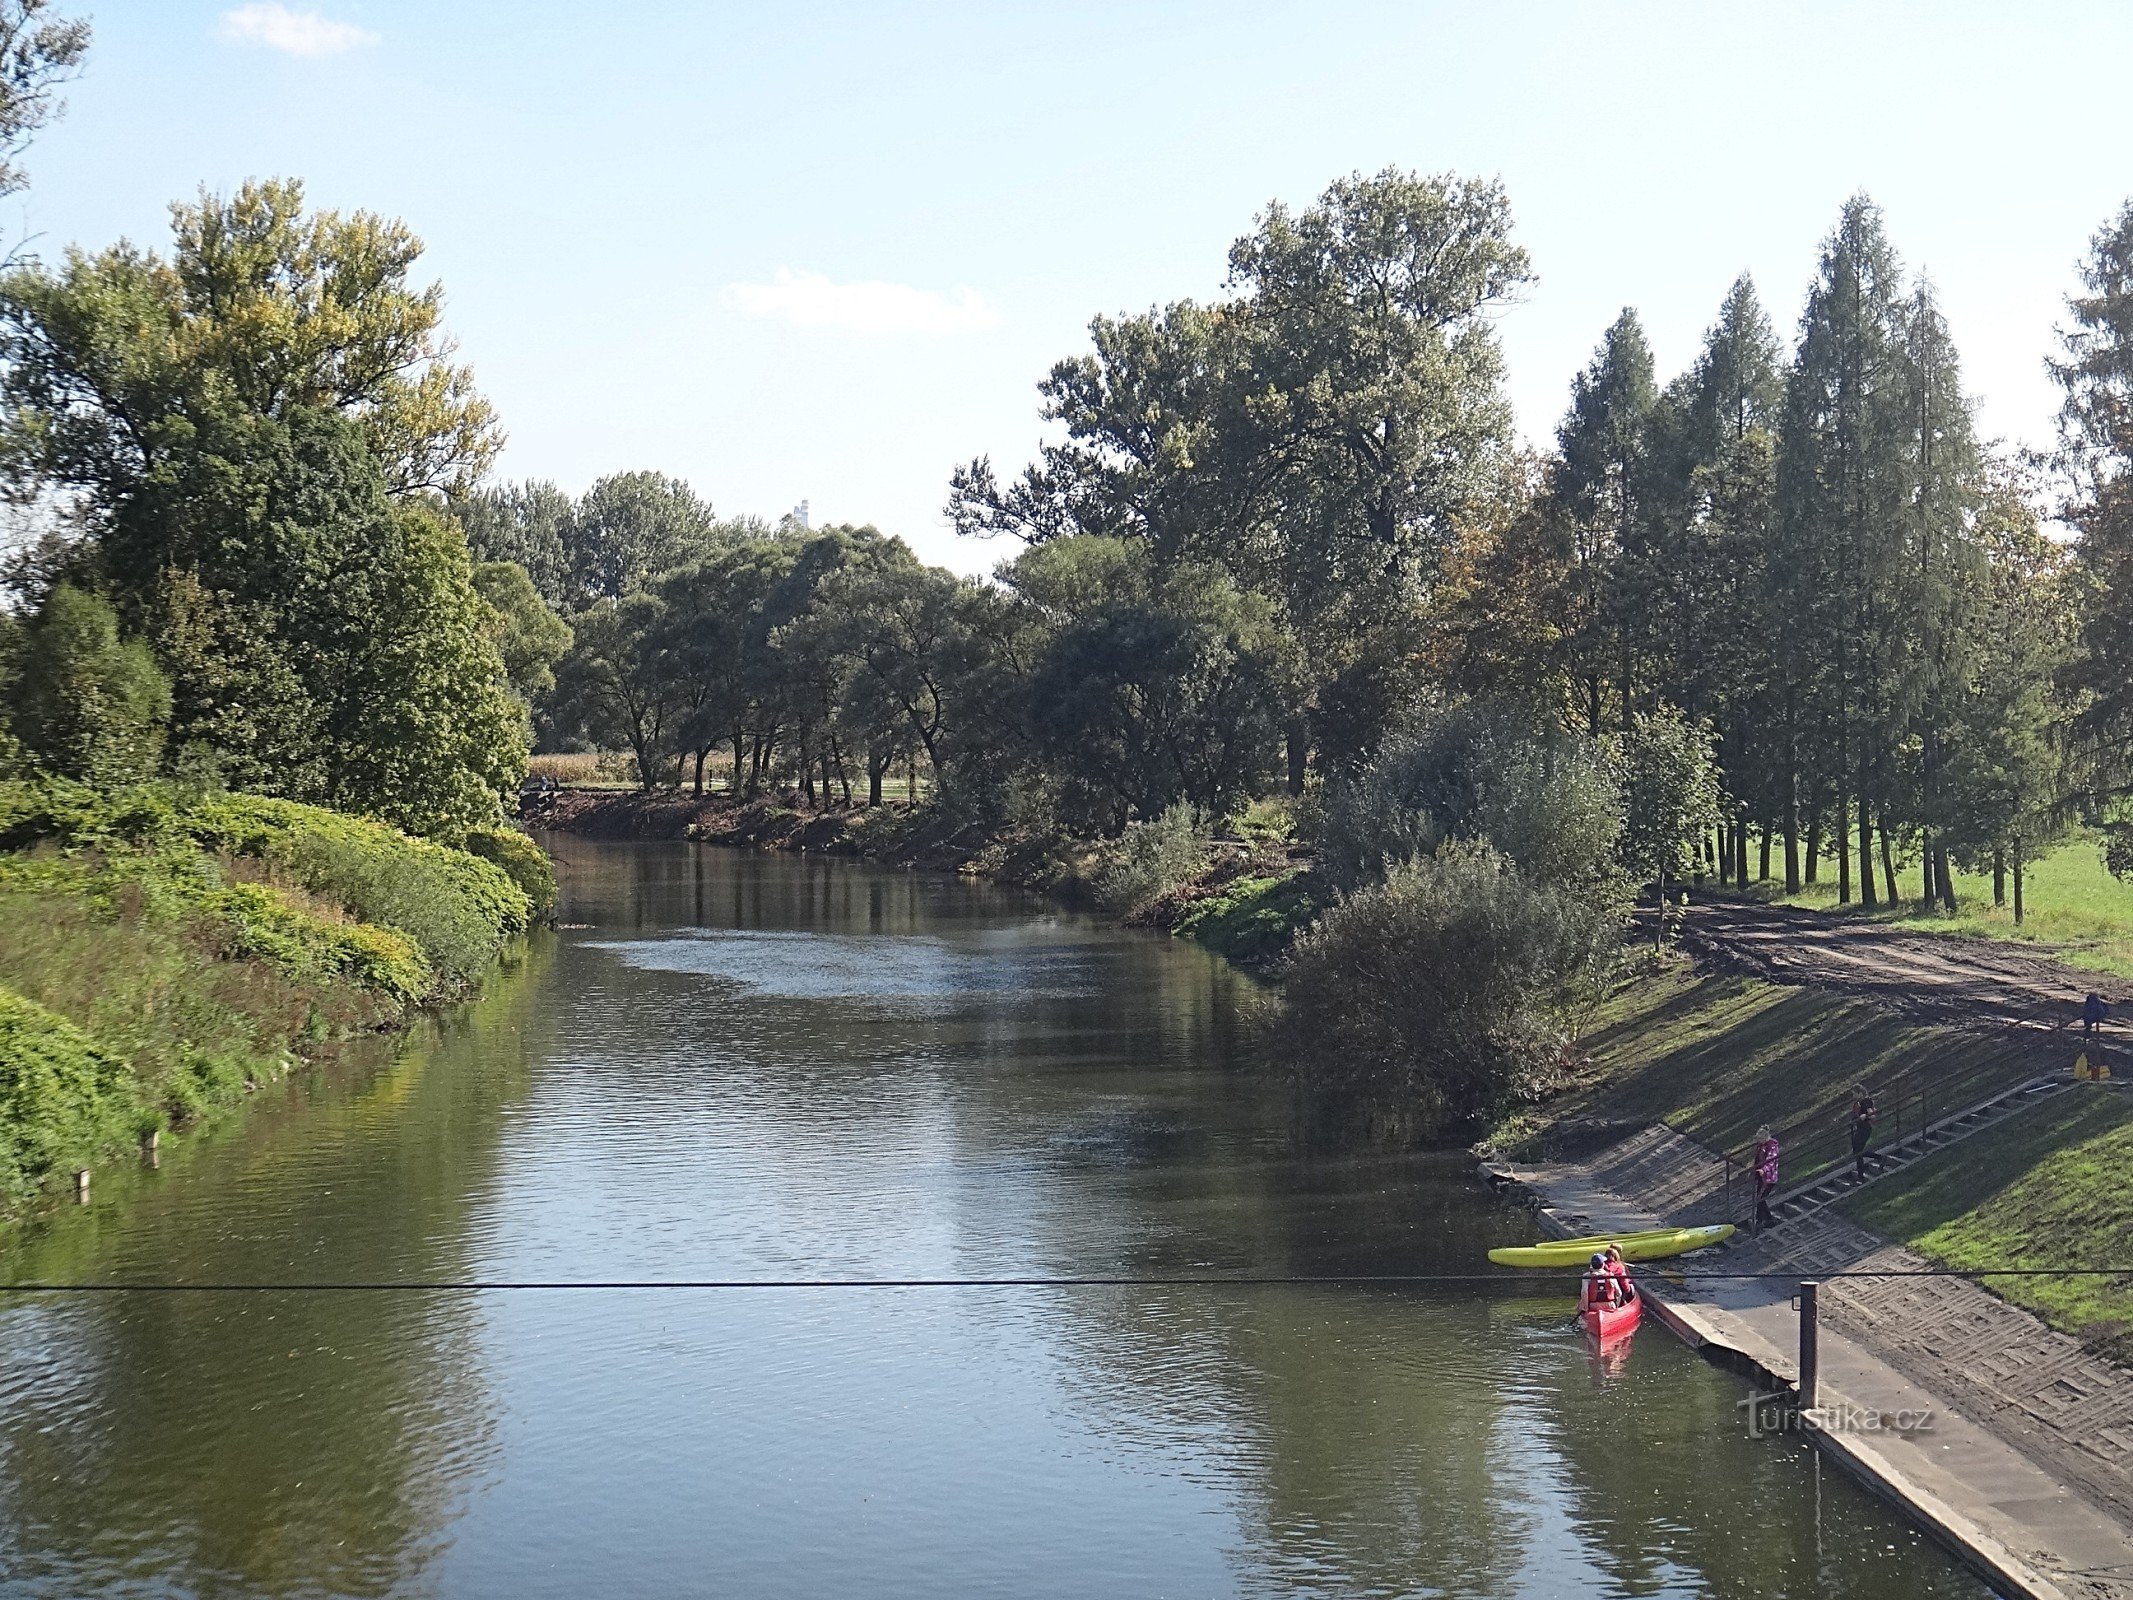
(1862, 1133)
(1766, 1176)
(2093, 1012)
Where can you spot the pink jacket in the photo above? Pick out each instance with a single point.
(1766, 1161)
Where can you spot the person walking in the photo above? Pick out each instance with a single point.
(2093, 1013)
(1863, 1134)
(1766, 1176)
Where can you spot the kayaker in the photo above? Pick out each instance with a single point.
(1862, 1133)
(1618, 1269)
(1599, 1282)
(1766, 1176)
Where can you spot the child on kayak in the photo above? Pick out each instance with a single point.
(1600, 1284)
(1618, 1269)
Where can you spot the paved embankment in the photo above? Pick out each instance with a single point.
(2009, 1441)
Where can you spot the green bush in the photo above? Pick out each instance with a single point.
(1496, 770)
(523, 861)
(455, 907)
(1421, 1005)
(63, 1100)
(1149, 859)
(259, 925)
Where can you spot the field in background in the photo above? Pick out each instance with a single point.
(2070, 901)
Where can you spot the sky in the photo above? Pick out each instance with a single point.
(825, 251)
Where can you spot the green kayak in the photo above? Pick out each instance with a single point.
(1654, 1244)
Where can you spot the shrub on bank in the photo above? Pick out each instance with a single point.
(523, 861)
(1149, 859)
(454, 907)
(1415, 1008)
(165, 951)
(63, 1099)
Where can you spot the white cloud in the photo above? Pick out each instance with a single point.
(296, 33)
(809, 300)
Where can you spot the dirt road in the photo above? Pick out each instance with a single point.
(1939, 977)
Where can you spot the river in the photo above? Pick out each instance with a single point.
(740, 1066)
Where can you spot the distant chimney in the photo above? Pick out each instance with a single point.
(799, 515)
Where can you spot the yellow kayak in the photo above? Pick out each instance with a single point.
(1654, 1244)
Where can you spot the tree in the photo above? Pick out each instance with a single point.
(259, 308)
(2002, 804)
(529, 637)
(1316, 437)
(1841, 483)
(1670, 796)
(1599, 490)
(38, 52)
(629, 527)
(616, 687)
(90, 705)
(1144, 688)
(526, 523)
(2096, 450)
(324, 639)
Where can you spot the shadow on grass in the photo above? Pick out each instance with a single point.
(1716, 1057)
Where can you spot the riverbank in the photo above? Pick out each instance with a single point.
(165, 954)
(1992, 1432)
(1244, 898)
(2028, 1466)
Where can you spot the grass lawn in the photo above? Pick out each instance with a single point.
(1716, 1056)
(2046, 1188)
(2069, 900)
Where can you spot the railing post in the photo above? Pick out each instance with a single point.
(1810, 1353)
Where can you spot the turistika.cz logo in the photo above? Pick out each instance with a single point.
(1775, 1413)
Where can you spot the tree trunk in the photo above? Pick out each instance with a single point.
(876, 763)
(1740, 847)
(1888, 865)
(1999, 877)
(735, 783)
(1868, 900)
(1299, 753)
(2018, 882)
(1842, 835)
(1814, 842)
(1762, 867)
(699, 785)
(1947, 879)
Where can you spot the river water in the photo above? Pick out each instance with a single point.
(740, 1066)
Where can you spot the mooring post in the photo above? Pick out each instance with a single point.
(81, 1186)
(1810, 1355)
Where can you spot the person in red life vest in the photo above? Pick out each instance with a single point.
(1618, 1269)
(1600, 1284)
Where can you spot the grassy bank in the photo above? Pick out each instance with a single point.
(1716, 1056)
(2070, 901)
(2046, 1188)
(163, 954)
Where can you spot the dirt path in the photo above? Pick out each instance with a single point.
(1936, 976)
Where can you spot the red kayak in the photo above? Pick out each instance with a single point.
(1610, 1322)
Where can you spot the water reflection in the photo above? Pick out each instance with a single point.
(760, 1067)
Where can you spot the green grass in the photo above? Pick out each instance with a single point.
(1251, 918)
(163, 953)
(2069, 901)
(1717, 1056)
(2046, 1188)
